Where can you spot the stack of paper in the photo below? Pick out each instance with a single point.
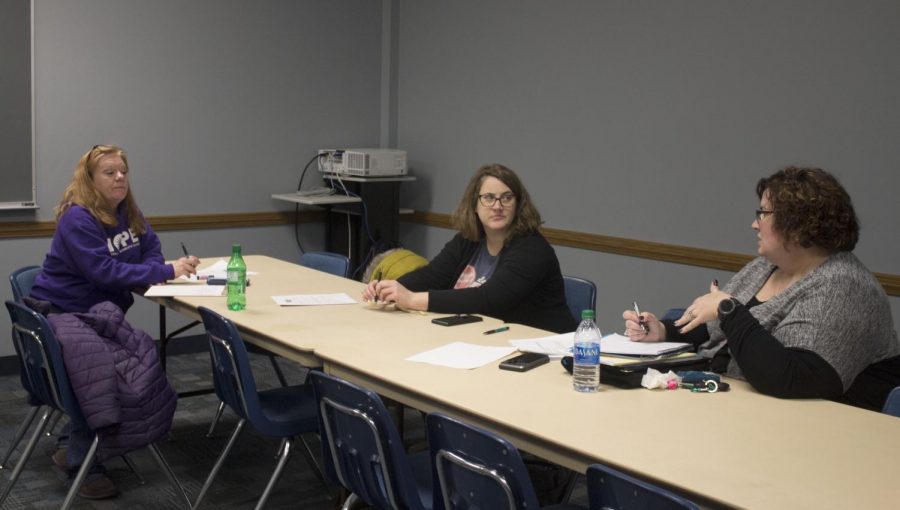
(557, 346)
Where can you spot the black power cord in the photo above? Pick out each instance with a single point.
(297, 206)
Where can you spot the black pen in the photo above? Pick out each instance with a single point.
(641, 322)
(498, 330)
(184, 249)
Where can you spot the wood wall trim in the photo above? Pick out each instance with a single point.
(26, 229)
(700, 257)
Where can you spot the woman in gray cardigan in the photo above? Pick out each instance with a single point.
(803, 319)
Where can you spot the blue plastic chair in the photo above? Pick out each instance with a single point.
(610, 489)
(892, 404)
(282, 413)
(22, 280)
(47, 380)
(331, 263)
(581, 295)
(474, 468)
(363, 451)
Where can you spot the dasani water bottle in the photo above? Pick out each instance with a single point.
(586, 367)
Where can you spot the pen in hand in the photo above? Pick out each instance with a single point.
(641, 322)
(188, 256)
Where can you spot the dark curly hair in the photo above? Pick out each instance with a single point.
(811, 208)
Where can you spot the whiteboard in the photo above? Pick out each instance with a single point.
(17, 189)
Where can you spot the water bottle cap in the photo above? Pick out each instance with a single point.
(588, 314)
(235, 247)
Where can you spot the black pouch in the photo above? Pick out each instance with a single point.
(630, 375)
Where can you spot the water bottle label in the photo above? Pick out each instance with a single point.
(587, 353)
(233, 276)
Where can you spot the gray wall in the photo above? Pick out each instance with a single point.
(218, 103)
(653, 120)
(646, 120)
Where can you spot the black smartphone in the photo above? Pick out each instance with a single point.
(524, 362)
(456, 320)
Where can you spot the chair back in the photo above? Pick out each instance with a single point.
(609, 489)
(361, 448)
(581, 295)
(232, 376)
(43, 374)
(474, 468)
(892, 404)
(22, 280)
(331, 263)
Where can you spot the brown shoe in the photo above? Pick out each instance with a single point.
(97, 486)
(59, 459)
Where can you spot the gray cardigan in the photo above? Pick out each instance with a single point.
(838, 311)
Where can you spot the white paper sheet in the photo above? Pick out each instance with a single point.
(621, 344)
(462, 355)
(557, 346)
(178, 290)
(339, 298)
(218, 270)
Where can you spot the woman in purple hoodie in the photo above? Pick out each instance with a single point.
(102, 249)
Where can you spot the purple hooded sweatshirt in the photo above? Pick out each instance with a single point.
(89, 262)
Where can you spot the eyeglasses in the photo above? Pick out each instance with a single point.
(761, 213)
(489, 199)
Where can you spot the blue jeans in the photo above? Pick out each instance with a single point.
(77, 438)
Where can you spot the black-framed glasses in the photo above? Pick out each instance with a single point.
(489, 199)
(761, 213)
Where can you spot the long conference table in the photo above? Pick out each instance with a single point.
(736, 449)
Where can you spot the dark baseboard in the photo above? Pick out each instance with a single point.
(190, 344)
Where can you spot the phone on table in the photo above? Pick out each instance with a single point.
(456, 320)
(524, 362)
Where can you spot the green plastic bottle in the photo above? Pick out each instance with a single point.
(237, 280)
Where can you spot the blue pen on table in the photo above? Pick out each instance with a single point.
(498, 330)
(641, 322)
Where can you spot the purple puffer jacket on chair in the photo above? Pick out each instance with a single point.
(116, 377)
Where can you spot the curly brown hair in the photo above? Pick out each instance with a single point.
(811, 208)
(465, 218)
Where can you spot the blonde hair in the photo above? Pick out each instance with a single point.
(465, 219)
(81, 191)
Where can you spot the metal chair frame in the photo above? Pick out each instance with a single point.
(473, 467)
(49, 372)
(284, 449)
(356, 413)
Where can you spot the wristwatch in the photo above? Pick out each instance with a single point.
(726, 306)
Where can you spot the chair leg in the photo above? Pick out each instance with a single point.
(27, 453)
(133, 470)
(56, 417)
(20, 432)
(350, 501)
(169, 473)
(82, 473)
(282, 460)
(278, 371)
(212, 426)
(311, 460)
(570, 486)
(219, 462)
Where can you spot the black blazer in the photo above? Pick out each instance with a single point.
(526, 287)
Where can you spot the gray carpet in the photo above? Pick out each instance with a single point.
(190, 453)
